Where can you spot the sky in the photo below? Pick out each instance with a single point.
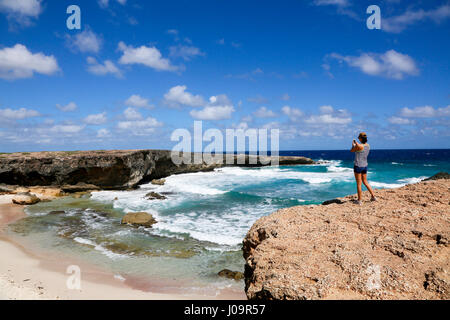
(138, 70)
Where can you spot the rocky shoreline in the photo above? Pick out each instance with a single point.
(394, 248)
(77, 171)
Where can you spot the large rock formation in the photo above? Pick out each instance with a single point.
(105, 169)
(395, 248)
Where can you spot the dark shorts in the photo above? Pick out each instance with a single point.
(362, 170)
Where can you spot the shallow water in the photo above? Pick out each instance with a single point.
(206, 215)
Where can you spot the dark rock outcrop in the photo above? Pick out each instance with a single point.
(108, 169)
(154, 196)
(394, 248)
(439, 175)
(337, 201)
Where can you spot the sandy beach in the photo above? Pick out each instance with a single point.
(30, 275)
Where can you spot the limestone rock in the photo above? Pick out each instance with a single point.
(114, 169)
(139, 219)
(79, 187)
(236, 275)
(394, 248)
(25, 198)
(159, 182)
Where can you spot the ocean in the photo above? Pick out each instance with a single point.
(206, 215)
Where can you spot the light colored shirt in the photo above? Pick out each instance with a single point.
(361, 156)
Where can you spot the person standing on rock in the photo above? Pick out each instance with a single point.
(361, 151)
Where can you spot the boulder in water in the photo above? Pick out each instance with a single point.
(138, 219)
(155, 196)
(236, 275)
(159, 182)
(56, 212)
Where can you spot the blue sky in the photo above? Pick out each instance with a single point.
(137, 70)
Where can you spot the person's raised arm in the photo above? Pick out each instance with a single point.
(356, 146)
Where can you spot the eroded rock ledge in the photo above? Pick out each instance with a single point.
(396, 248)
(105, 169)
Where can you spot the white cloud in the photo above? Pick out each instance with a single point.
(103, 69)
(132, 114)
(178, 95)
(71, 106)
(137, 101)
(263, 112)
(329, 116)
(85, 41)
(241, 125)
(218, 108)
(340, 3)
(103, 133)
(444, 112)
(397, 24)
(17, 114)
(399, 120)
(425, 112)
(185, 52)
(96, 119)
(147, 56)
(18, 62)
(173, 32)
(418, 112)
(293, 113)
(327, 119)
(391, 64)
(105, 3)
(213, 113)
(21, 11)
(140, 127)
(61, 128)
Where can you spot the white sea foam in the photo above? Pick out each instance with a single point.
(400, 183)
(412, 180)
(99, 248)
(227, 227)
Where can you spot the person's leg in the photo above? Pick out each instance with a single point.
(358, 185)
(366, 183)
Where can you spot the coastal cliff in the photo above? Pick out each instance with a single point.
(395, 248)
(121, 169)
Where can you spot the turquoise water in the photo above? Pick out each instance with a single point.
(206, 215)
